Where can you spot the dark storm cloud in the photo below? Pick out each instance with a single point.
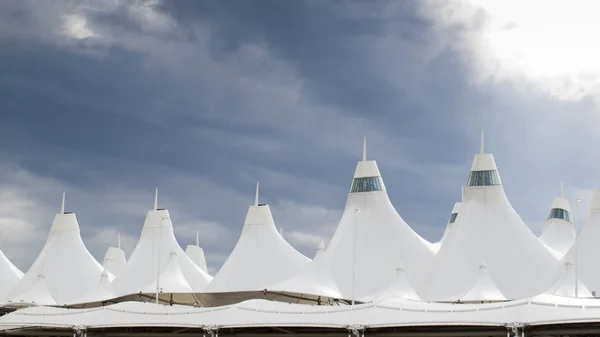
(204, 98)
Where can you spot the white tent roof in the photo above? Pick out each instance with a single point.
(488, 226)
(9, 276)
(114, 261)
(261, 258)
(483, 289)
(171, 279)
(315, 278)
(565, 286)
(68, 267)
(588, 249)
(37, 294)
(151, 258)
(559, 232)
(382, 239)
(538, 311)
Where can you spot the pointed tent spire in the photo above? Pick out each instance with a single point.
(462, 193)
(364, 156)
(281, 231)
(562, 189)
(321, 245)
(256, 197)
(156, 199)
(62, 205)
(197, 238)
(481, 145)
(119, 240)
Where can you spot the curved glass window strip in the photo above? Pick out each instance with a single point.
(484, 178)
(367, 184)
(452, 217)
(559, 213)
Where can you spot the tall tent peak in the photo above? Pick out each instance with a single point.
(119, 240)
(366, 176)
(562, 189)
(454, 214)
(259, 214)
(560, 210)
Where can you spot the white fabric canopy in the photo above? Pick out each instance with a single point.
(260, 259)
(488, 227)
(68, 268)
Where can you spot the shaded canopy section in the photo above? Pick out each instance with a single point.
(10, 275)
(488, 227)
(559, 233)
(260, 259)
(68, 268)
(588, 247)
(155, 253)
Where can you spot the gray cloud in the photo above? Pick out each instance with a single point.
(205, 98)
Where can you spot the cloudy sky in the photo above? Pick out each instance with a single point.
(107, 100)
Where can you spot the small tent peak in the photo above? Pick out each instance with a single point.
(104, 273)
(321, 246)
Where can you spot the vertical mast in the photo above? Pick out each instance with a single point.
(62, 205)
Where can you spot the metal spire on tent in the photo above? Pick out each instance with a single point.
(481, 145)
(364, 156)
(156, 199)
(462, 193)
(256, 197)
(197, 238)
(562, 189)
(118, 240)
(62, 206)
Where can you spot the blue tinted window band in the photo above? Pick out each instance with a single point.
(559, 213)
(484, 178)
(367, 184)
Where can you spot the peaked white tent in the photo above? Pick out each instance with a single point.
(588, 249)
(565, 286)
(261, 258)
(370, 240)
(10, 275)
(559, 233)
(38, 294)
(158, 253)
(67, 267)
(314, 279)
(196, 254)
(400, 288)
(483, 289)
(488, 227)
